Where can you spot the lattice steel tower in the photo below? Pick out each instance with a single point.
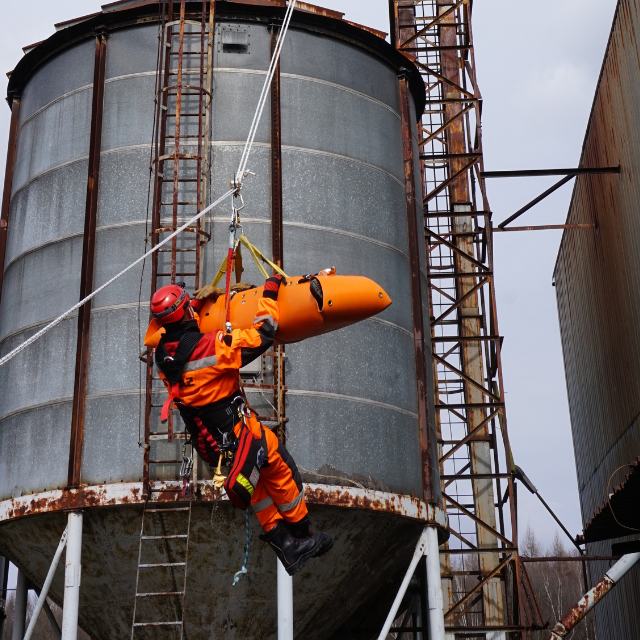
(484, 584)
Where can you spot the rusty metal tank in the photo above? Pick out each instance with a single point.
(353, 397)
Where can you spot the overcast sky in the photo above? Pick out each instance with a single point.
(538, 63)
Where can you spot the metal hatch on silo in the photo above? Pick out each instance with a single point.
(78, 423)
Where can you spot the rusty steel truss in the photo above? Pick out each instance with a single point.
(484, 583)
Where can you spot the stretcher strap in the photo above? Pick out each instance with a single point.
(256, 254)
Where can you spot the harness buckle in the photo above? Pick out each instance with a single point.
(229, 443)
(186, 468)
(187, 462)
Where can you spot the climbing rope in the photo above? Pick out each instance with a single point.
(264, 95)
(235, 191)
(238, 576)
(59, 319)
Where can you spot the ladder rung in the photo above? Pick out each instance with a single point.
(168, 275)
(155, 624)
(181, 180)
(169, 251)
(163, 510)
(168, 204)
(186, 115)
(165, 461)
(153, 595)
(181, 535)
(162, 564)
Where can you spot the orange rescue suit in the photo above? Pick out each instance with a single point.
(263, 473)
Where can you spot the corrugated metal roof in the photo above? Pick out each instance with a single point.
(620, 515)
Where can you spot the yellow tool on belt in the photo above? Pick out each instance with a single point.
(218, 478)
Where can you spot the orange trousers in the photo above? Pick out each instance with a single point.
(264, 475)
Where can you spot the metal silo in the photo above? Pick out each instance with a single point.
(331, 189)
(596, 280)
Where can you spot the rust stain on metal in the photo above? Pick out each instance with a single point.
(577, 612)
(375, 32)
(70, 499)
(8, 183)
(133, 493)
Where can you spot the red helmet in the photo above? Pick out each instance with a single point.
(168, 304)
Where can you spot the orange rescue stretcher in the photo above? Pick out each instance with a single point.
(306, 309)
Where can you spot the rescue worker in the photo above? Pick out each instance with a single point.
(201, 373)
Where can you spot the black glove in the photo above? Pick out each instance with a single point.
(272, 286)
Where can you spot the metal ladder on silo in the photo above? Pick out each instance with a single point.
(180, 179)
(156, 511)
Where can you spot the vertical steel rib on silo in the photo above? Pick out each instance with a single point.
(277, 229)
(88, 265)
(8, 183)
(416, 293)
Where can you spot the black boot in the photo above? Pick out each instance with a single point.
(302, 529)
(293, 552)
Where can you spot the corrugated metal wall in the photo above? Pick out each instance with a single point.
(598, 291)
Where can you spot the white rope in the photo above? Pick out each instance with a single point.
(265, 91)
(239, 176)
(59, 319)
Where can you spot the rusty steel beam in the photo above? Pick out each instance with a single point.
(8, 183)
(535, 201)
(427, 458)
(277, 230)
(570, 559)
(534, 173)
(548, 227)
(88, 265)
(594, 596)
(447, 13)
(480, 585)
(177, 156)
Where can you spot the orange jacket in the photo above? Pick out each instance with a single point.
(211, 371)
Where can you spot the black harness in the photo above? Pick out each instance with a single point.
(172, 366)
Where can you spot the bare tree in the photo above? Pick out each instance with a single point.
(557, 585)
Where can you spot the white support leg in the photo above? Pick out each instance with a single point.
(72, 571)
(20, 610)
(285, 604)
(434, 587)
(4, 571)
(42, 599)
(417, 554)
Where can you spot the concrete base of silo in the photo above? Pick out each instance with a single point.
(375, 534)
